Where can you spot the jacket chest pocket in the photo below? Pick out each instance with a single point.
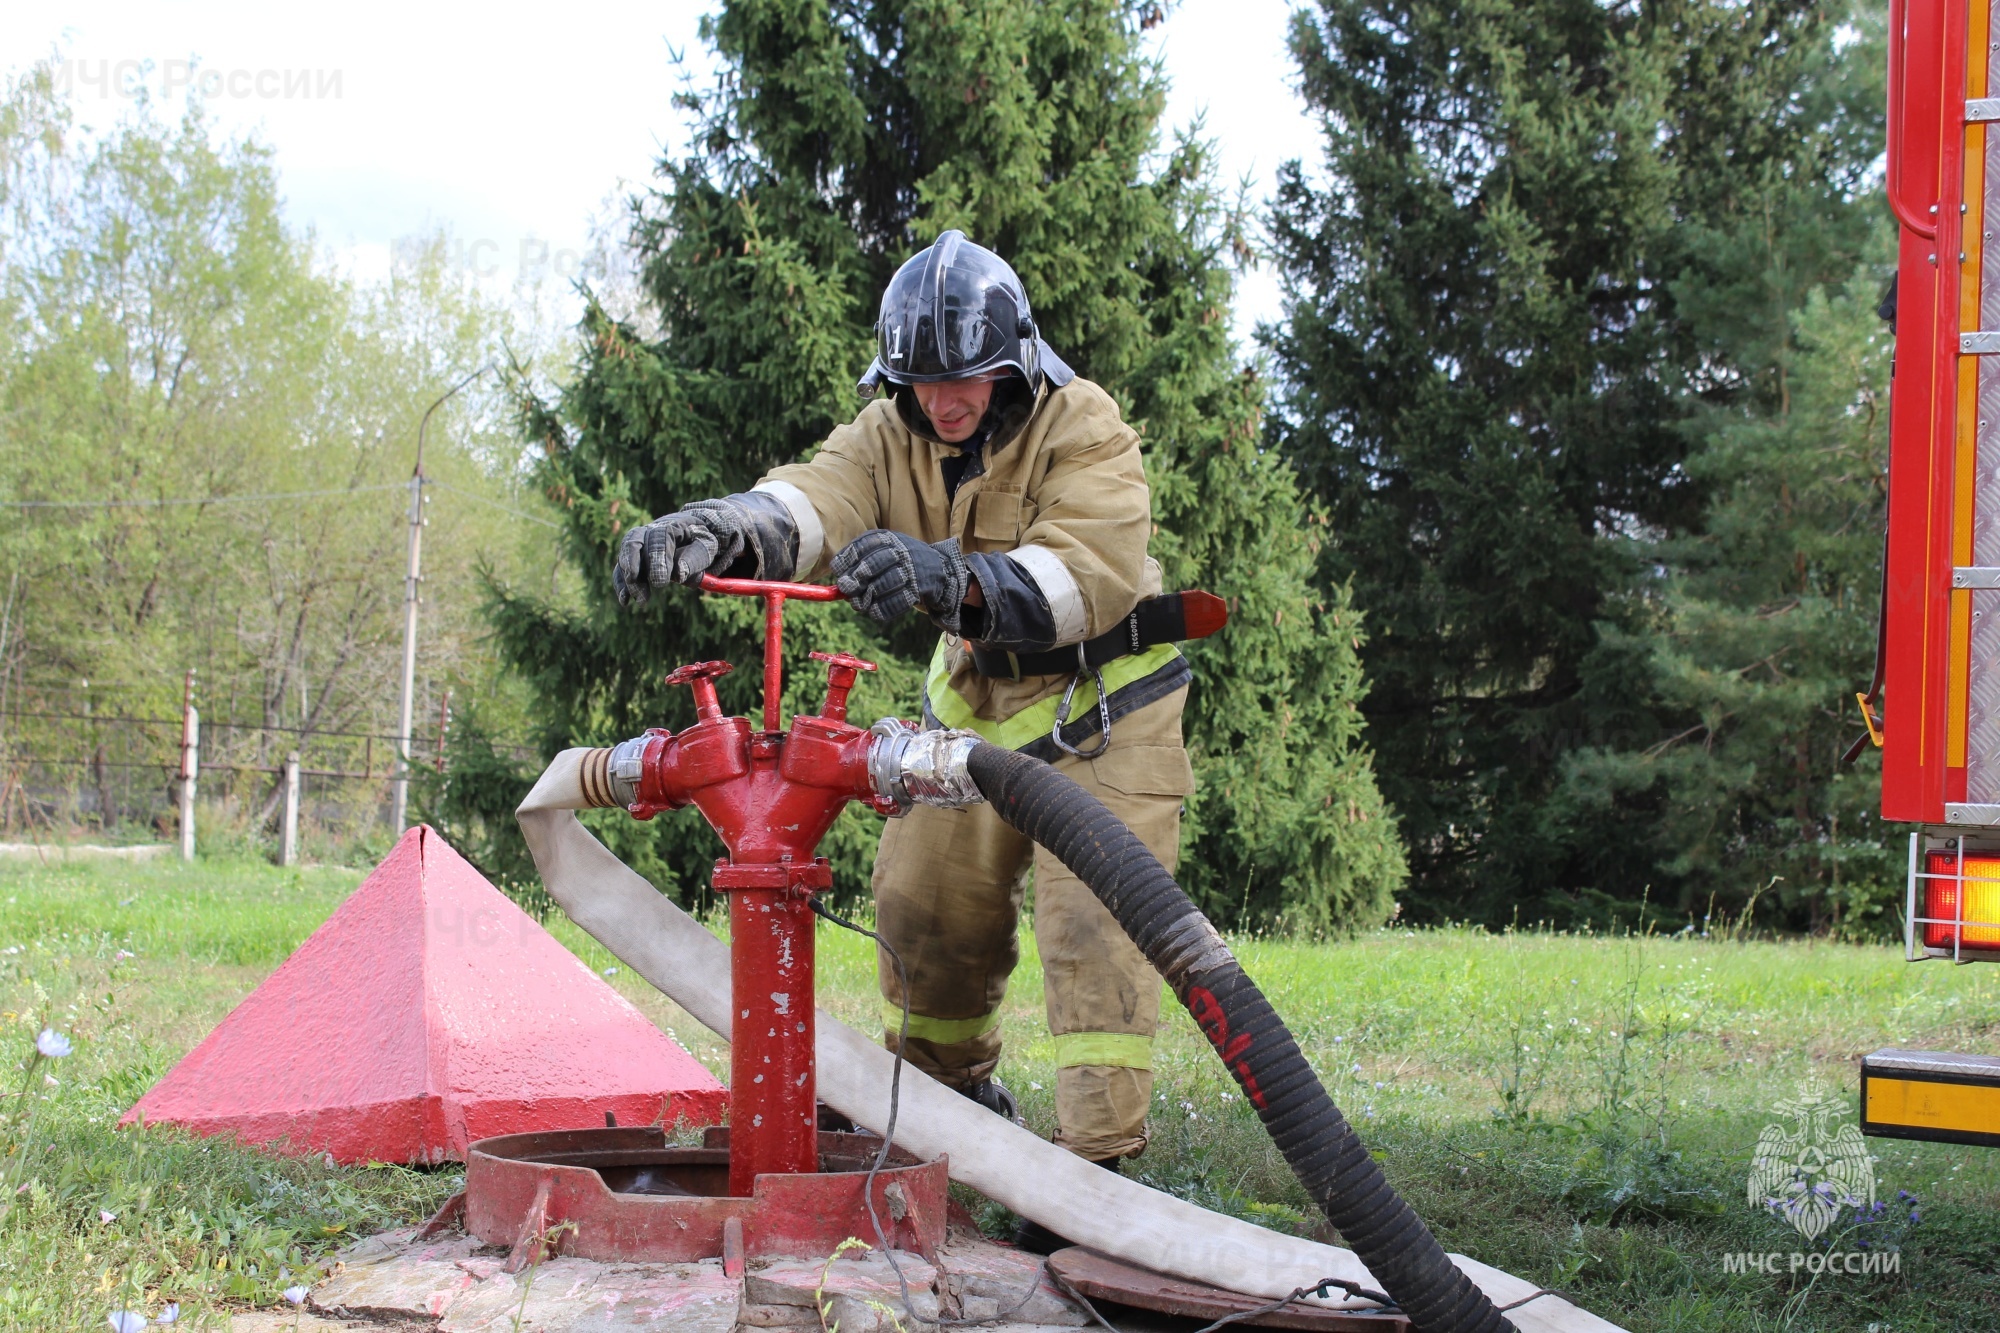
(998, 517)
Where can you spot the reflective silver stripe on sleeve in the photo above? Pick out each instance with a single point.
(1059, 586)
(812, 535)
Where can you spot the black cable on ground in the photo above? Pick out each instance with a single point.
(1260, 1052)
(1321, 1289)
(889, 1137)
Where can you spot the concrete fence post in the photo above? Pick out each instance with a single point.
(190, 765)
(288, 849)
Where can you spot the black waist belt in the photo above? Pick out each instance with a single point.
(1171, 618)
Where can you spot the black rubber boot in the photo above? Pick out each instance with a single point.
(992, 1094)
(1035, 1238)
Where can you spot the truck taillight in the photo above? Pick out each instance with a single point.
(1949, 923)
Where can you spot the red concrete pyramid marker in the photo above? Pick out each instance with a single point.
(428, 1012)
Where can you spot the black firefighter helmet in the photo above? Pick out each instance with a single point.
(955, 310)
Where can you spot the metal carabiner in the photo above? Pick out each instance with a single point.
(1103, 710)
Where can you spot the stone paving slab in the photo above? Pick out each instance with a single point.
(393, 1274)
(453, 1284)
(858, 1291)
(979, 1273)
(281, 1321)
(579, 1296)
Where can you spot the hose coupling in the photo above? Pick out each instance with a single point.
(910, 767)
(622, 771)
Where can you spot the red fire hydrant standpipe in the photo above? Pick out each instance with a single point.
(770, 1184)
(770, 795)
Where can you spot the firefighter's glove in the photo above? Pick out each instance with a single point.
(748, 536)
(886, 574)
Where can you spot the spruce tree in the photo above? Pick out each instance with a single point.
(1748, 655)
(1742, 657)
(1537, 260)
(838, 139)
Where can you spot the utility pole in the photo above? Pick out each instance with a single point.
(399, 817)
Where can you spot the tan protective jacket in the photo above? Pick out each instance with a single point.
(1063, 495)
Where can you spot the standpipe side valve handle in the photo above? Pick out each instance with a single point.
(798, 592)
(702, 676)
(841, 672)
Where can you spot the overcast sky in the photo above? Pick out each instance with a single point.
(512, 128)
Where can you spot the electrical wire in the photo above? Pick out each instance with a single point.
(1070, 1290)
(1887, 313)
(172, 501)
(198, 499)
(476, 498)
(1319, 1289)
(208, 724)
(1537, 1295)
(888, 1139)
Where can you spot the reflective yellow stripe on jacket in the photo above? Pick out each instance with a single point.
(1038, 719)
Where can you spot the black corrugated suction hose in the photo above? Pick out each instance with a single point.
(1316, 1140)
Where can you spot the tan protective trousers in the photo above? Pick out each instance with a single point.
(949, 886)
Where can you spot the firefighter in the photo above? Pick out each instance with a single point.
(1000, 495)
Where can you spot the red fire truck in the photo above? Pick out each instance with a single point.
(1939, 677)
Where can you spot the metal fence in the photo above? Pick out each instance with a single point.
(127, 762)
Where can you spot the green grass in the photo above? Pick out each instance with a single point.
(136, 963)
(1577, 1110)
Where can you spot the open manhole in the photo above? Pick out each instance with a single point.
(628, 1194)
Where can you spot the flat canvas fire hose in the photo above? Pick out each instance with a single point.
(1110, 1213)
